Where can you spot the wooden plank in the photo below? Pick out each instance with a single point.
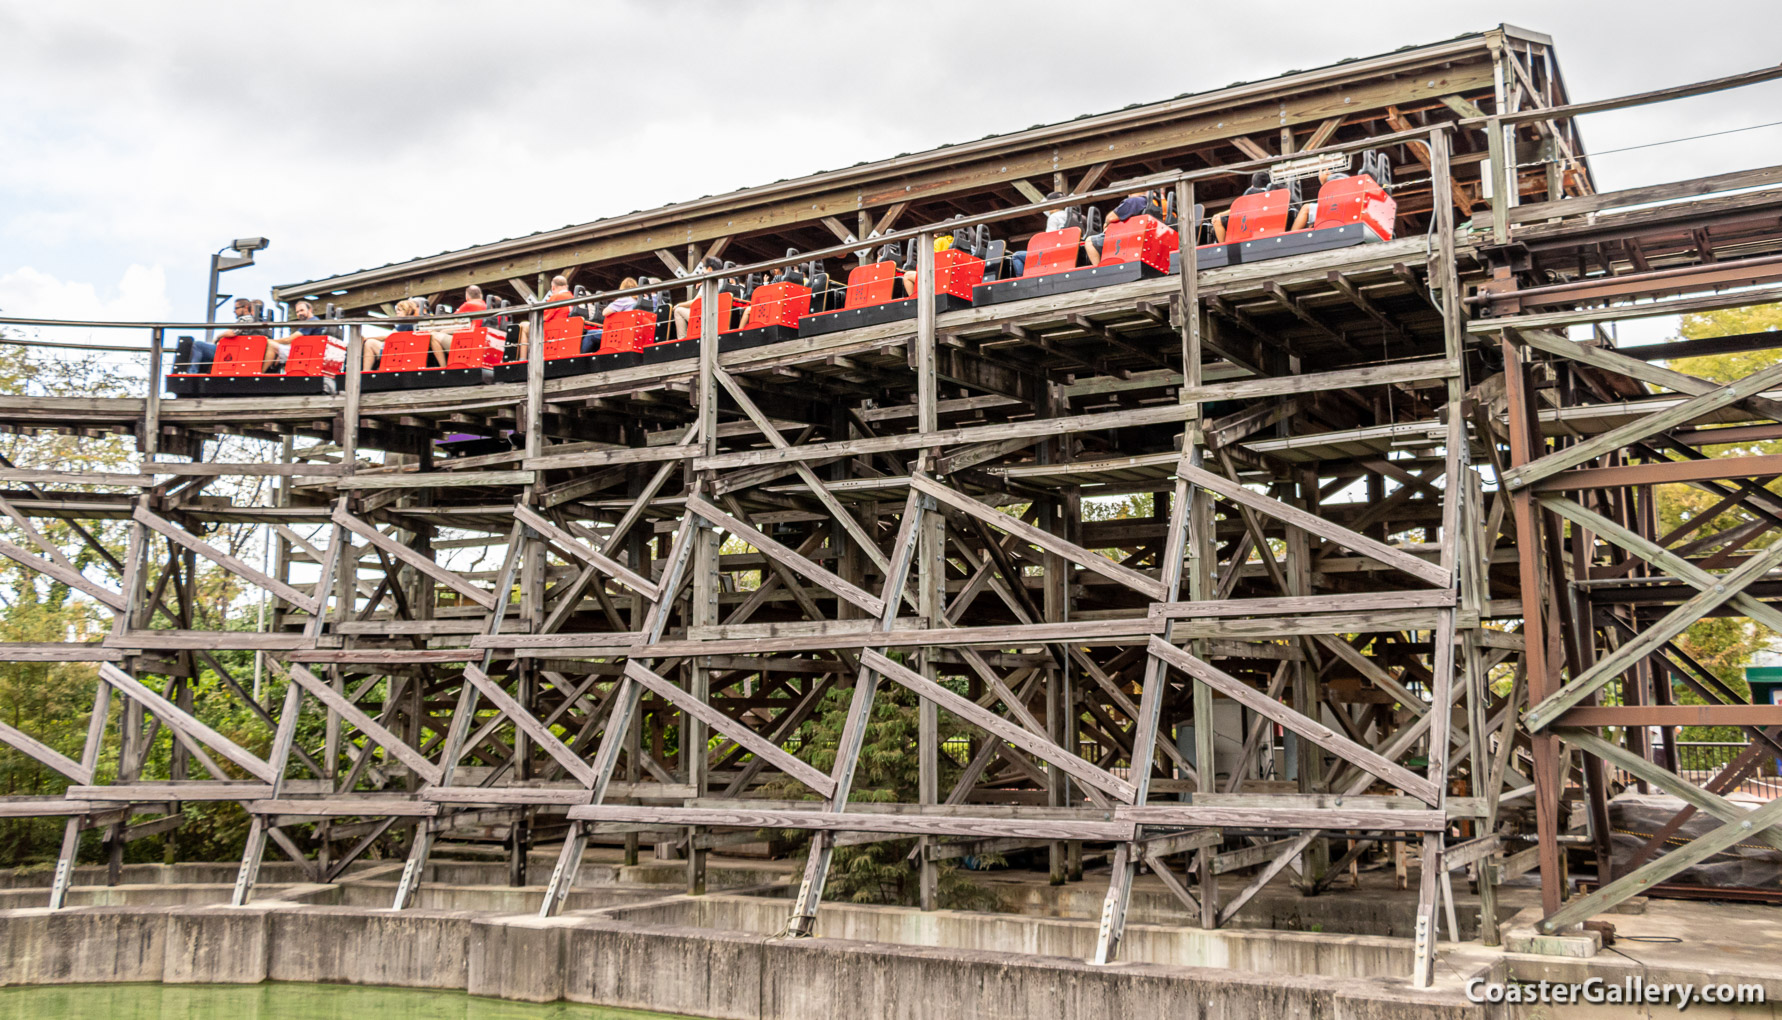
(1148, 586)
(57, 651)
(350, 805)
(45, 807)
(176, 718)
(544, 795)
(1025, 739)
(573, 545)
(1324, 529)
(432, 479)
(208, 468)
(1658, 421)
(740, 732)
(67, 575)
(210, 640)
(1671, 715)
(1294, 605)
(846, 821)
(1304, 725)
(1271, 627)
(396, 746)
(39, 477)
(787, 556)
(46, 754)
(177, 534)
(1364, 819)
(147, 793)
(399, 657)
(1078, 632)
(948, 437)
(1472, 851)
(526, 721)
(617, 455)
(414, 559)
(1631, 651)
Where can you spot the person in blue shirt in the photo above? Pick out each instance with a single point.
(1137, 204)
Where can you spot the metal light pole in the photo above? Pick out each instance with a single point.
(221, 263)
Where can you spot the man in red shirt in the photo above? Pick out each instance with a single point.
(559, 291)
(473, 300)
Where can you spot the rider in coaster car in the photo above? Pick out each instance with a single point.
(942, 242)
(1137, 204)
(683, 310)
(1259, 184)
(1308, 211)
(1055, 220)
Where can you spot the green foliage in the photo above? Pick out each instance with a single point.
(52, 701)
(888, 771)
(1724, 645)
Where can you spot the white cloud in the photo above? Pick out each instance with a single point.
(153, 134)
(140, 294)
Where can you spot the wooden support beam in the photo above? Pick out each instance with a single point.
(374, 730)
(67, 575)
(1088, 559)
(222, 559)
(574, 546)
(858, 821)
(1034, 744)
(19, 740)
(740, 732)
(424, 564)
(530, 725)
(1300, 723)
(179, 721)
(785, 555)
(1317, 525)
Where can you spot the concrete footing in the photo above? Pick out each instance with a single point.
(600, 960)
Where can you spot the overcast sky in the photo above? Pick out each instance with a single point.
(140, 137)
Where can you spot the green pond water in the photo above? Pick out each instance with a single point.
(283, 1001)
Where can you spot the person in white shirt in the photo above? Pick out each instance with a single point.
(1055, 220)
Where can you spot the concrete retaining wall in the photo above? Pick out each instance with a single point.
(604, 961)
(1261, 952)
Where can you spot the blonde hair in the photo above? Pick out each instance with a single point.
(407, 307)
(627, 283)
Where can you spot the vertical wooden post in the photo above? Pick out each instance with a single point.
(1433, 875)
(803, 919)
(1526, 445)
(89, 757)
(619, 721)
(349, 412)
(931, 574)
(151, 419)
(463, 717)
(703, 610)
(1144, 740)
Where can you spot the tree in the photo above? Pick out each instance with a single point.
(1725, 645)
(888, 772)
